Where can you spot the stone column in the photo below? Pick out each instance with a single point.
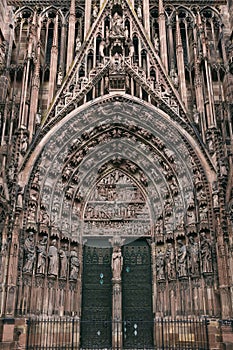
(71, 35)
(211, 119)
(180, 63)
(117, 264)
(53, 63)
(35, 89)
(62, 49)
(146, 16)
(198, 85)
(163, 35)
(224, 287)
(22, 111)
(12, 272)
(87, 17)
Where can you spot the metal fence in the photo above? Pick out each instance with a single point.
(54, 333)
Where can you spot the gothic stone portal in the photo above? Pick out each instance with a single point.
(116, 265)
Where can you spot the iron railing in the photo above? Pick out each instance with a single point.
(63, 333)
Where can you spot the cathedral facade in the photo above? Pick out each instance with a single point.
(116, 180)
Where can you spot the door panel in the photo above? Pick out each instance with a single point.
(137, 295)
(96, 298)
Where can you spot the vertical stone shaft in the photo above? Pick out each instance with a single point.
(12, 269)
(211, 120)
(35, 88)
(180, 63)
(71, 35)
(162, 35)
(87, 17)
(53, 62)
(146, 16)
(198, 84)
(22, 112)
(62, 50)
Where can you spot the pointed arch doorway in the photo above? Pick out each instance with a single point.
(117, 281)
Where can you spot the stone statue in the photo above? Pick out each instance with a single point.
(156, 43)
(101, 49)
(193, 257)
(160, 266)
(74, 265)
(159, 227)
(63, 254)
(117, 25)
(170, 262)
(181, 259)
(78, 45)
(191, 219)
(42, 255)
(29, 253)
(139, 12)
(206, 253)
(95, 11)
(203, 211)
(174, 77)
(53, 258)
(117, 263)
(126, 32)
(59, 77)
(24, 144)
(196, 115)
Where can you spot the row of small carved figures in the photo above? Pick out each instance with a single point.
(186, 260)
(45, 257)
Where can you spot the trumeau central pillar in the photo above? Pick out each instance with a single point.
(117, 264)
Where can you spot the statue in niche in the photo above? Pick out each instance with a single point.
(117, 25)
(139, 11)
(59, 76)
(101, 49)
(160, 266)
(63, 255)
(215, 195)
(159, 227)
(156, 43)
(191, 219)
(170, 262)
(95, 11)
(29, 253)
(24, 144)
(42, 255)
(196, 115)
(126, 32)
(78, 45)
(74, 264)
(174, 76)
(117, 263)
(53, 258)
(193, 257)
(181, 259)
(203, 214)
(206, 253)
